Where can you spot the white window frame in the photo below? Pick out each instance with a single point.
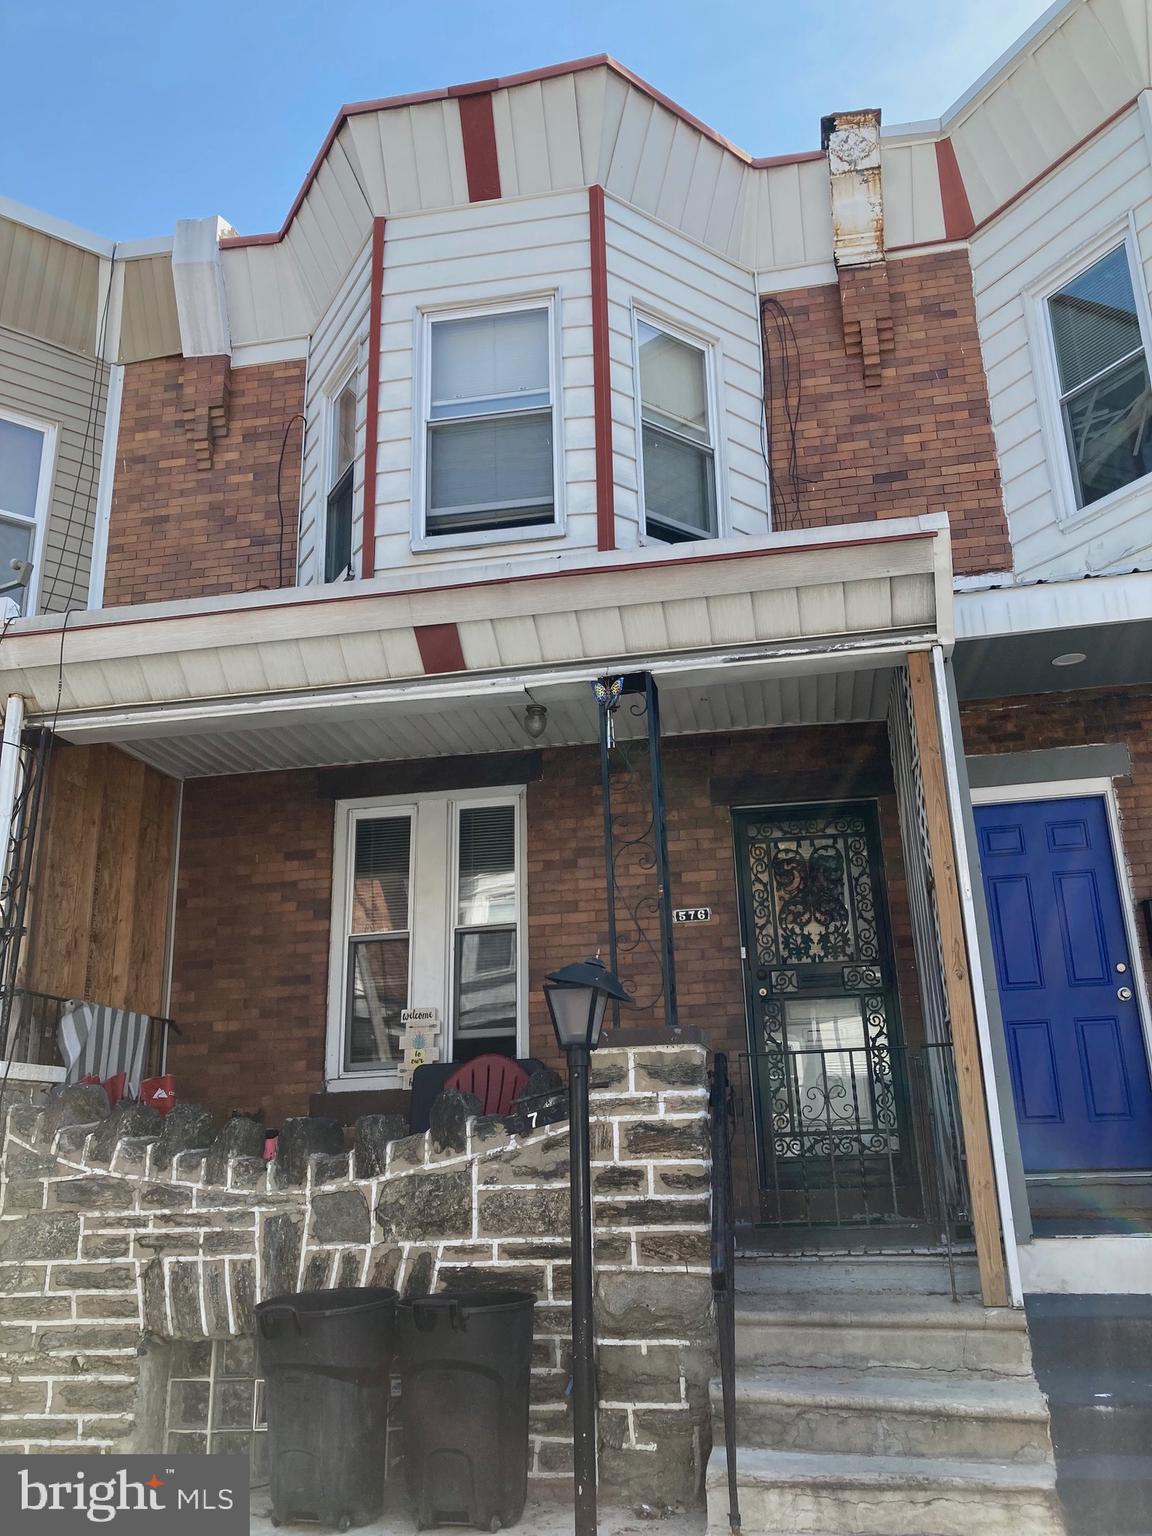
(347, 373)
(426, 317)
(432, 911)
(710, 347)
(39, 520)
(1069, 514)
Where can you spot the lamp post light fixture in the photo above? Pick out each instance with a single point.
(577, 997)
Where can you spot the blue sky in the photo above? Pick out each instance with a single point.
(124, 115)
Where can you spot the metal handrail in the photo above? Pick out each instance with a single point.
(724, 1267)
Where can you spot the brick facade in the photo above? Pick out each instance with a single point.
(1036, 722)
(194, 503)
(891, 427)
(252, 924)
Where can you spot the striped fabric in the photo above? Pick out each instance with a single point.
(101, 1041)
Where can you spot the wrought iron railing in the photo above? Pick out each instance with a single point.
(823, 1139)
(724, 1267)
(32, 1029)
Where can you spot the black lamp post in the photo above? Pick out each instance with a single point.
(578, 997)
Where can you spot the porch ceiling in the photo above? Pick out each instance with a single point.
(433, 728)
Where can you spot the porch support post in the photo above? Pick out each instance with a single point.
(958, 984)
(9, 772)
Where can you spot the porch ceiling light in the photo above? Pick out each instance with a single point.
(577, 997)
(535, 720)
(1069, 659)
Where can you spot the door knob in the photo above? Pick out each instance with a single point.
(763, 991)
(1124, 994)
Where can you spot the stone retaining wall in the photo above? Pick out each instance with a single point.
(119, 1233)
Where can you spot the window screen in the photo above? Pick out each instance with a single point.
(378, 942)
(1103, 373)
(485, 948)
(679, 469)
(21, 455)
(490, 427)
(341, 474)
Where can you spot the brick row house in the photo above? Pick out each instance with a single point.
(835, 463)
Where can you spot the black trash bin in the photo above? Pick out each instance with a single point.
(326, 1358)
(465, 1370)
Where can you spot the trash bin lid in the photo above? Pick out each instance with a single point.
(342, 1299)
(473, 1301)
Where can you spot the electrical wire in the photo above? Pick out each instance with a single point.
(787, 358)
(292, 420)
(87, 448)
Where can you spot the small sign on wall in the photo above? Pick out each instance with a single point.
(691, 914)
(419, 1041)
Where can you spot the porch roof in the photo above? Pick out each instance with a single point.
(277, 679)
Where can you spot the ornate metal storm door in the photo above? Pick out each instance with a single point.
(825, 1061)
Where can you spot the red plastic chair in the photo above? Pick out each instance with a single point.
(495, 1080)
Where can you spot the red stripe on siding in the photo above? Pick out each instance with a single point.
(440, 648)
(958, 220)
(480, 160)
(372, 400)
(601, 374)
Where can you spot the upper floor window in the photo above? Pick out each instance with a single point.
(490, 461)
(25, 475)
(679, 467)
(1102, 370)
(341, 472)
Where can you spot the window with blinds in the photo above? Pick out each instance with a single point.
(490, 455)
(484, 970)
(341, 474)
(1102, 368)
(679, 471)
(378, 941)
(23, 451)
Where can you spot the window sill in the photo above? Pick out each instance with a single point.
(426, 543)
(1072, 519)
(363, 1082)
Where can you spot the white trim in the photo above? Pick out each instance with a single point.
(1008, 609)
(424, 319)
(251, 354)
(1109, 1265)
(49, 430)
(431, 916)
(815, 274)
(30, 1072)
(950, 752)
(709, 347)
(1070, 516)
(58, 229)
(10, 774)
(99, 556)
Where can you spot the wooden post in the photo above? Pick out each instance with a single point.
(958, 982)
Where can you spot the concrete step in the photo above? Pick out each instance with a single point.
(887, 1332)
(877, 1274)
(889, 1413)
(883, 1496)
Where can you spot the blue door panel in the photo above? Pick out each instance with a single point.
(1075, 1047)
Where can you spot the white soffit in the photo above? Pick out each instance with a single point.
(229, 656)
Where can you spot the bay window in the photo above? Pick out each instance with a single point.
(489, 429)
(1102, 377)
(677, 453)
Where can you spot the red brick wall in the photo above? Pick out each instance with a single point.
(1072, 719)
(251, 947)
(250, 960)
(194, 509)
(919, 440)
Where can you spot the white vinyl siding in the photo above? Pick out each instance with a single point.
(338, 350)
(1097, 199)
(490, 254)
(703, 296)
(47, 385)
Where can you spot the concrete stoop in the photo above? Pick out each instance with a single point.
(882, 1412)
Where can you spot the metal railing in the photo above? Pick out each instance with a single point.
(32, 1026)
(855, 1138)
(724, 1266)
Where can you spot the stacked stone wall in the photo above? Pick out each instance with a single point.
(121, 1234)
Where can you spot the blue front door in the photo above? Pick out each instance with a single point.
(1071, 1011)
